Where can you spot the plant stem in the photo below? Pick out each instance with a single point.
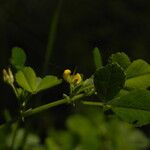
(44, 107)
(101, 104)
(52, 36)
(14, 134)
(50, 105)
(93, 103)
(24, 139)
(15, 91)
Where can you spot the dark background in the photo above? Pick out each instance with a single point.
(83, 24)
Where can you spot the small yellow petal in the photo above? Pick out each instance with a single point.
(66, 74)
(77, 78)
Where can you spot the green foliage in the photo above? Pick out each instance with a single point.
(48, 82)
(4, 131)
(115, 84)
(83, 131)
(28, 80)
(120, 86)
(108, 81)
(18, 58)
(133, 107)
(65, 139)
(23, 140)
(121, 58)
(137, 68)
(94, 132)
(97, 58)
(138, 75)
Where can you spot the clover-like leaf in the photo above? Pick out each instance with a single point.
(133, 107)
(18, 58)
(109, 80)
(28, 80)
(121, 58)
(138, 75)
(48, 82)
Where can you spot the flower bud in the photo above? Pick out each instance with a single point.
(5, 75)
(8, 76)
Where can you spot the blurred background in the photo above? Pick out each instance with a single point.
(112, 26)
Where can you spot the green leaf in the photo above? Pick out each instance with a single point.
(48, 82)
(97, 58)
(109, 80)
(83, 128)
(28, 80)
(138, 75)
(18, 58)
(133, 107)
(121, 58)
(122, 92)
(137, 68)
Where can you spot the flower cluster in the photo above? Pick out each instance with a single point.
(72, 79)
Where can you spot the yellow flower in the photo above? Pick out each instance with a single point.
(75, 79)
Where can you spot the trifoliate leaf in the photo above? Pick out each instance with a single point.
(133, 107)
(28, 80)
(138, 75)
(121, 58)
(48, 82)
(109, 80)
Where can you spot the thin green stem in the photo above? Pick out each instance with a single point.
(15, 91)
(14, 134)
(100, 104)
(50, 105)
(52, 36)
(44, 107)
(24, 139)
(93, 103)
